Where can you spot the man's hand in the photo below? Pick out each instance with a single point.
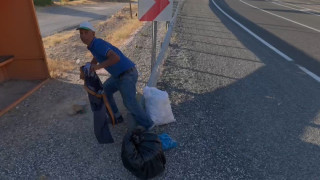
(111, 59)
(94, 67)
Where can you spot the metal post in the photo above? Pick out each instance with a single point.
(154, 43)
(130, 9)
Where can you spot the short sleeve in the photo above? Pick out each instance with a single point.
(103, 49)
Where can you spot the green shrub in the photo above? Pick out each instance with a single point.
(42, 2)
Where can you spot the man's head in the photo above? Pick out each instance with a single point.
(87, 32)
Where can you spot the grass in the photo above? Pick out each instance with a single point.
(118, 36)
(42, 2)
(58, 67)
(55, 39)
(74, 2)
(71, 2)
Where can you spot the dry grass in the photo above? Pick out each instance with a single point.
(57, 67)
(118, 36)
(76, 2)
(57, 38)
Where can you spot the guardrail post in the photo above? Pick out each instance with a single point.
(155, 72)
(154, 44)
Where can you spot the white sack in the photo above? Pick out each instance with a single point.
(158, 105)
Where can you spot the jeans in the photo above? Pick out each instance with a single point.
(126, 84)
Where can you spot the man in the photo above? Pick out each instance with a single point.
(123, 73)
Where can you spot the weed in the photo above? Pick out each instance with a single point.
(58, 67)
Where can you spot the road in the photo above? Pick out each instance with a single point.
(289, 26)
(58, 18)
(243, 111)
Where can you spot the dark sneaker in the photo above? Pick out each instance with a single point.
(118, 120)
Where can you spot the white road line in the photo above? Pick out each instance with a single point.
(295, 8)
(299, 6)
(254, 35)
(281, 17)
(317, 78)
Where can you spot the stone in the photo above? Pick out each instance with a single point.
(77, 108)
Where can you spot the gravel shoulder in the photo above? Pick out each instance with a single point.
(242, 111)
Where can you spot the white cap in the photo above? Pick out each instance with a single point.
(86, 25)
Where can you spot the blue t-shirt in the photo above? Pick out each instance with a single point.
(99, 49)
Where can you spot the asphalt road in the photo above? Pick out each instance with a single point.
(242, 110)
(59, 18)
(290, 26)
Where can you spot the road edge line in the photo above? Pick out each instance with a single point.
(314, 76)
(317, 30)
(254, 35)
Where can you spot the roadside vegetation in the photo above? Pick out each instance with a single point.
(42, 2)
(58, 67)
(72, 2)
(56, 39)
(118, 35)
(60, 2)
(128, 26)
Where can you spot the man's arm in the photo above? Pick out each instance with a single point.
(94, 61)
(112, 57)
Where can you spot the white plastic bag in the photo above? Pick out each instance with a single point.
(158, 105)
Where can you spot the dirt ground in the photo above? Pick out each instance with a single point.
(67, 90)
(40, 137)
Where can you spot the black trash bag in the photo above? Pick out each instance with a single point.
(142, 154)
(101, 127)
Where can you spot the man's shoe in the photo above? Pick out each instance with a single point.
(118, 120)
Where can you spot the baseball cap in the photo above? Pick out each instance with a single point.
(86, 25)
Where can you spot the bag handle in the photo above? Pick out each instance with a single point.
(105, 100)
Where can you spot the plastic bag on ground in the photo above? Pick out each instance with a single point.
(167, 142)
(158, 105)
(142, 154)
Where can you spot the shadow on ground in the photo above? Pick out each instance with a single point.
(261, 126)
(39, 138)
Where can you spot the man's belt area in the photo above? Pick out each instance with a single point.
(127, 71)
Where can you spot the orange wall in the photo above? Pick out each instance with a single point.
(20, 36)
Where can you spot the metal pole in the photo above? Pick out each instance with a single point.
(155, 73)
(130, 9)
(154, 43)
